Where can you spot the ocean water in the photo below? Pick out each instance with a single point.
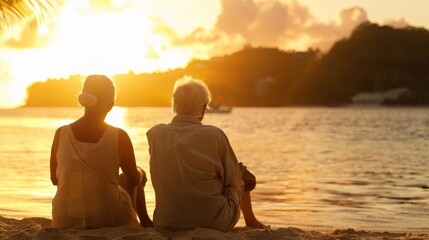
(317, 168)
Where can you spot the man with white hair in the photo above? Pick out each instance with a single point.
(197, 179)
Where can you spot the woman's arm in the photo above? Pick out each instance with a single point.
(53, 160)
(128, 160)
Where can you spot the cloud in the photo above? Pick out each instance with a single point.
(262, 23)
(400, 23)
(275, 23)
(26, 38)
(241, 22)
(236, 16)
(324, 35)
(29, 37)
(289, 26)
(204, 42)
(270, 23)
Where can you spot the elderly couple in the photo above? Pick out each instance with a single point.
(197, 179)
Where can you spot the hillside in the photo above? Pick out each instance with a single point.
(373, 59)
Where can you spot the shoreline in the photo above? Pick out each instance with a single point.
(39, 228)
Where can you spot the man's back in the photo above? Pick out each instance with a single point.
(195, 174)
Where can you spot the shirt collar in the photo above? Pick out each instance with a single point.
(186, 118)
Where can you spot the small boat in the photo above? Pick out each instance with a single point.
(218, 109)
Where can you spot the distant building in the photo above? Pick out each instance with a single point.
(264, 86)
(377, 98)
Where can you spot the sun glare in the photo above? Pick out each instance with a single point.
(116, 117)
(85, 40)
(105, 42)
(43, 30)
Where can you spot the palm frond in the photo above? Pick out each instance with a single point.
(20, 12)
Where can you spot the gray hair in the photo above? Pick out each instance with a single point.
(190, 96)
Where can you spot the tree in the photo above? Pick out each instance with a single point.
(374, 59)
(20, 12)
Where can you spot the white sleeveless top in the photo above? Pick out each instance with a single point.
(88, 194)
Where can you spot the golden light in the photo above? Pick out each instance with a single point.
(101, 42)
(43, 30)
(301, 43)
(15, 93)
(116, 117)
(86, 40)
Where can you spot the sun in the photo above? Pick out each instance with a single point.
(84, 39)
(102, 41)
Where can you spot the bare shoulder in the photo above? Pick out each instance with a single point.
(122, 135)
(56, 138)
(58, 132)
(122, 132)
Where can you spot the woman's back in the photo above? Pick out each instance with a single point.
(84, 164)
(88, 195)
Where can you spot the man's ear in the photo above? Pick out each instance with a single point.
(202, 113)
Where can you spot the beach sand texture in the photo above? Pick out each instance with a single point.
(39, 228)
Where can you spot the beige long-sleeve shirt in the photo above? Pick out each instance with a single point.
(195, 174)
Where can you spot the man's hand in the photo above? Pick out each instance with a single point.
(249, 181)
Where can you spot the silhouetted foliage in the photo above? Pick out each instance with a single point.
(256, 76)
(55, 92)
(146, 89)
(251, 77)
(375, 58)
(14, 12)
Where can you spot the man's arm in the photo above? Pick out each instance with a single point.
(249, 180)
(128, 160)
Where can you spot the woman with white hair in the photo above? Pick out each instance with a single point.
(85, 159)
(197, 179)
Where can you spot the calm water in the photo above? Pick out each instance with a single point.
(317, 168)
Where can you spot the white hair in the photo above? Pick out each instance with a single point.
(190, 96)
(98, 90)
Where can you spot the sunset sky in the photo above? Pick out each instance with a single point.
(108, 37)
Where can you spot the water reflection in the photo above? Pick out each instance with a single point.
(317, 168)
(117, 117)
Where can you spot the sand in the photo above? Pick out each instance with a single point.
(39, 228)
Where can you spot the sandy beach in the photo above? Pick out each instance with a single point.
(39, 228)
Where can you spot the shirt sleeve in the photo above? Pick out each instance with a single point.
(232, 170)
